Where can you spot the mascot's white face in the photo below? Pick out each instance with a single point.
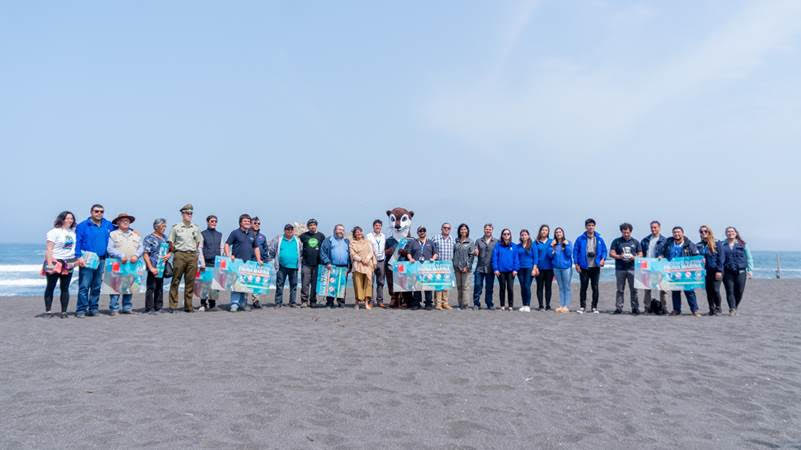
(400, 220)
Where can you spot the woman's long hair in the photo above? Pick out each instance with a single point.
(563, 237)
(539, 233)
(459, 231)
(504, 243)
(711, 243)
(59, 222)
(527, 243)
(736, 234)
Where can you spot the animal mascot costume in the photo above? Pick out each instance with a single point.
(400, 221)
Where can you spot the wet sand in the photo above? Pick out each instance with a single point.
(317, 378)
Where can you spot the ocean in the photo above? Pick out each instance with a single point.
(20, 265)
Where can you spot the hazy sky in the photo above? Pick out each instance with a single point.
(519, 113)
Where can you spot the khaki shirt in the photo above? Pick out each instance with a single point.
(185, 238)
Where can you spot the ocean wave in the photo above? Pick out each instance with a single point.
(20, 268)
(24, 282)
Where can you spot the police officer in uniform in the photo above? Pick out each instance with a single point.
(186, 243)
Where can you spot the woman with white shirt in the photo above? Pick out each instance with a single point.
(59, 261)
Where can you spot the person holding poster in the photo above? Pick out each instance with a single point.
(505, 265)
(126, 244)
(241, 244)
(710, 248)
(288, 250)
(463, 264)
(443, 247)
(738, 264)
(266, 249)
(60, 260)
(364, 263)
(420, 250)
(212, 248)
(651, 246)
(677, 246)
(562, 252)
(91, 235)
(154, 295)
(335, 251)
(624, 249)
(589, 255)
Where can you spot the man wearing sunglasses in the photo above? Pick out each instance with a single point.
(91, 235)
(186, 244)
(420, 250)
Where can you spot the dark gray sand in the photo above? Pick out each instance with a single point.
(293, 378)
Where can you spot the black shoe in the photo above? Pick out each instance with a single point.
(341, 305)
(618, 311)
(292, 305)
(256, 305)
(548, 307)
(539, 308)
(91, 314)
(635, 312)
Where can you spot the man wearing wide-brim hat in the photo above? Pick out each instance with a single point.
(186, 243)
(126, 244)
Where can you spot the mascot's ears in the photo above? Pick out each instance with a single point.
(410, 213)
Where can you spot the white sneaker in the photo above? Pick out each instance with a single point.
(580, 310)
(524, 309)
(595, 311)
(201, 309)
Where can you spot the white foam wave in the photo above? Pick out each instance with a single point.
(5, 268)
(24, 282)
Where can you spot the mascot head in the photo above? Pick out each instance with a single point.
(400, 219)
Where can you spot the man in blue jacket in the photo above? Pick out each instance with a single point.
(679, 246)
(589, 255)
(335, 251)
(91, 235)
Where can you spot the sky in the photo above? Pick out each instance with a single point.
(517, 113)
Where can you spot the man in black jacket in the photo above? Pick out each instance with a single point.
(652, 248)
(680, 246)
(212, 247)
(310, 261)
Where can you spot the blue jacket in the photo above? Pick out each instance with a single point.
(325, 252)
(737, 258)
(504, 258)
(527, 258)
(711, 260)
(92, 238)
(580, 250)
(544, 254)
(562, 259)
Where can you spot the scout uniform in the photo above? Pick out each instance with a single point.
(185, 240)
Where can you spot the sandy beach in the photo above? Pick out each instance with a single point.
(301, 378)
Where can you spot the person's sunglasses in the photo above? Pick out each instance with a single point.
(99, 211)
(703, 231)
(421, 231)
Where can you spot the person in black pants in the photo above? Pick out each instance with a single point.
(63, 279)
(589, 255)
(154, 295)
(544, 267)
(710, 248)
(735, 257)
(60, 260)
(505, 263)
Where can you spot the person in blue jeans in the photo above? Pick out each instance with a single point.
(288, 252)
(126, 245)
(483, 276)
(91, 235)
(562, 260)
(679, 246)
(527, 257)
(243, 245)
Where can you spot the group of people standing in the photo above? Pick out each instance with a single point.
(540, 258)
